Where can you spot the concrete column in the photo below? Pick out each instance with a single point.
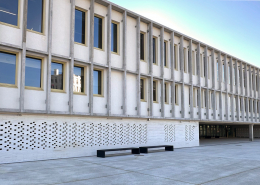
(245, 77)
(71, 66)
(251, 132)
(206, 81)
(182, 78)
(226, 87)
(162, 71)
(24, 31)
(124, 62)
(232, 107)
(243, 108)
(151, 68)
(250, 82)
(199, 79)
(236, 77)
(238, 109)
(251, 109)
(213, 64)
(91, 55)
(138, 65)
(220, 86)
(109, 59)
(241, 79)
(191, 79)
(49, 49)
(231, 75)
(172, 74)
(255, 108)
(247, 109)
(254, 82)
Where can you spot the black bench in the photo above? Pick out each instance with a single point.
(144, 149)
(101, 153)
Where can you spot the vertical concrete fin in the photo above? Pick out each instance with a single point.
(124, 62)
(138, 65)
(91, 55)
(162, 70)
(151, 69)
(109, 59)
(172, 74)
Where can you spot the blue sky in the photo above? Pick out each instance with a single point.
(230, 26)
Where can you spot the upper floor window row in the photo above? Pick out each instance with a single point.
(9, 14)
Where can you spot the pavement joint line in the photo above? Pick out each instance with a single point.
(229, 175)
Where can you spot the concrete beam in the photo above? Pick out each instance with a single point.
(49, 59)
(91, 55)
(71, 66)
(109, 59)
(172, 52)
(138, 65)
(124, 62)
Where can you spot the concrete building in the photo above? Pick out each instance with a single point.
(142, 83)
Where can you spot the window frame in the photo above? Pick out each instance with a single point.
(176, 58)
(42, 73)
(64, 77)
(86, 26)
(193, 60)
(176, 94)
(156, 50)
(156, 90)
(144, 89)
(118, 37)
(185, 61)
(18, 18)
(166, 93)
(144, 33)
(102, 82)
(43, 20)
(165, 53)
(103, 32)
(16, 53)
(85, 79)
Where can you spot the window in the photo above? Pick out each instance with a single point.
(142, 89)
(114, 37)
(97, 86)
(142, 41)
(165, 48)
(57, 76)
(78, 79)
(197, 97)
(194, 97)
(176, 95)
(205, 68)
(185, 60)
(175, 58)
(154, 91)
(229, 102)
(212, 99)
(35, 15)
(205, 99)
(9, 12)
(201, 66)
(7, 68)
(98, 32)
(80, 26)
(165, 93)
(154, 50)
(194, 63)
(189, 95)
(33, 72)
(217, 71)
(249, 101)
(234, 74)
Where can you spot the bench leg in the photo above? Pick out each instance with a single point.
(136, 151)
(101, 154)
(169, 148)
(144, 150)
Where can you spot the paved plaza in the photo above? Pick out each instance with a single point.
(226, 162)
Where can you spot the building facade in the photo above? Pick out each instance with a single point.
(82, 75)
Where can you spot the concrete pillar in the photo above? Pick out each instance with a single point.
(241, 79)
(226, 87)
(246, 82)
(172, 52)
(236, 78)
(151, 69)
(124, 62)
(213, 65)
(71, 65)
(91, 55)
(238, 109)
(199, 79)
(191, 79)
(49, 49)
(220, 86)
(109, 59)
(254, 82)
(138, 65)
(247, 109)
(243, 107)
(24, 31)
(251, 132)
(182, 78)
(250, 82)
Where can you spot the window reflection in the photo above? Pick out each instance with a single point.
(7, 68)
(56, 76)
(80, 26)
(97, 82)
(35, 15)
(33, 72)
(114, 37)
(78, 79)
(9, 11)
(98, 32)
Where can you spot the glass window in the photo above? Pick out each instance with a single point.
(57, 75)
(154, 50)
(98, 32)
(142, 89)
(78, 79)
(7, 68)
(165, 53)
(165, 93)
(154, 91)
(193, 63)
(114, 30)
(80, 26)
(141, 46)
(176, 95)
(175, 57)
(97, 82)
(9, 12)
(35, 15)
(33, 72)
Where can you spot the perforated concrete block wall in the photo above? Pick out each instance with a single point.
(29, 138)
